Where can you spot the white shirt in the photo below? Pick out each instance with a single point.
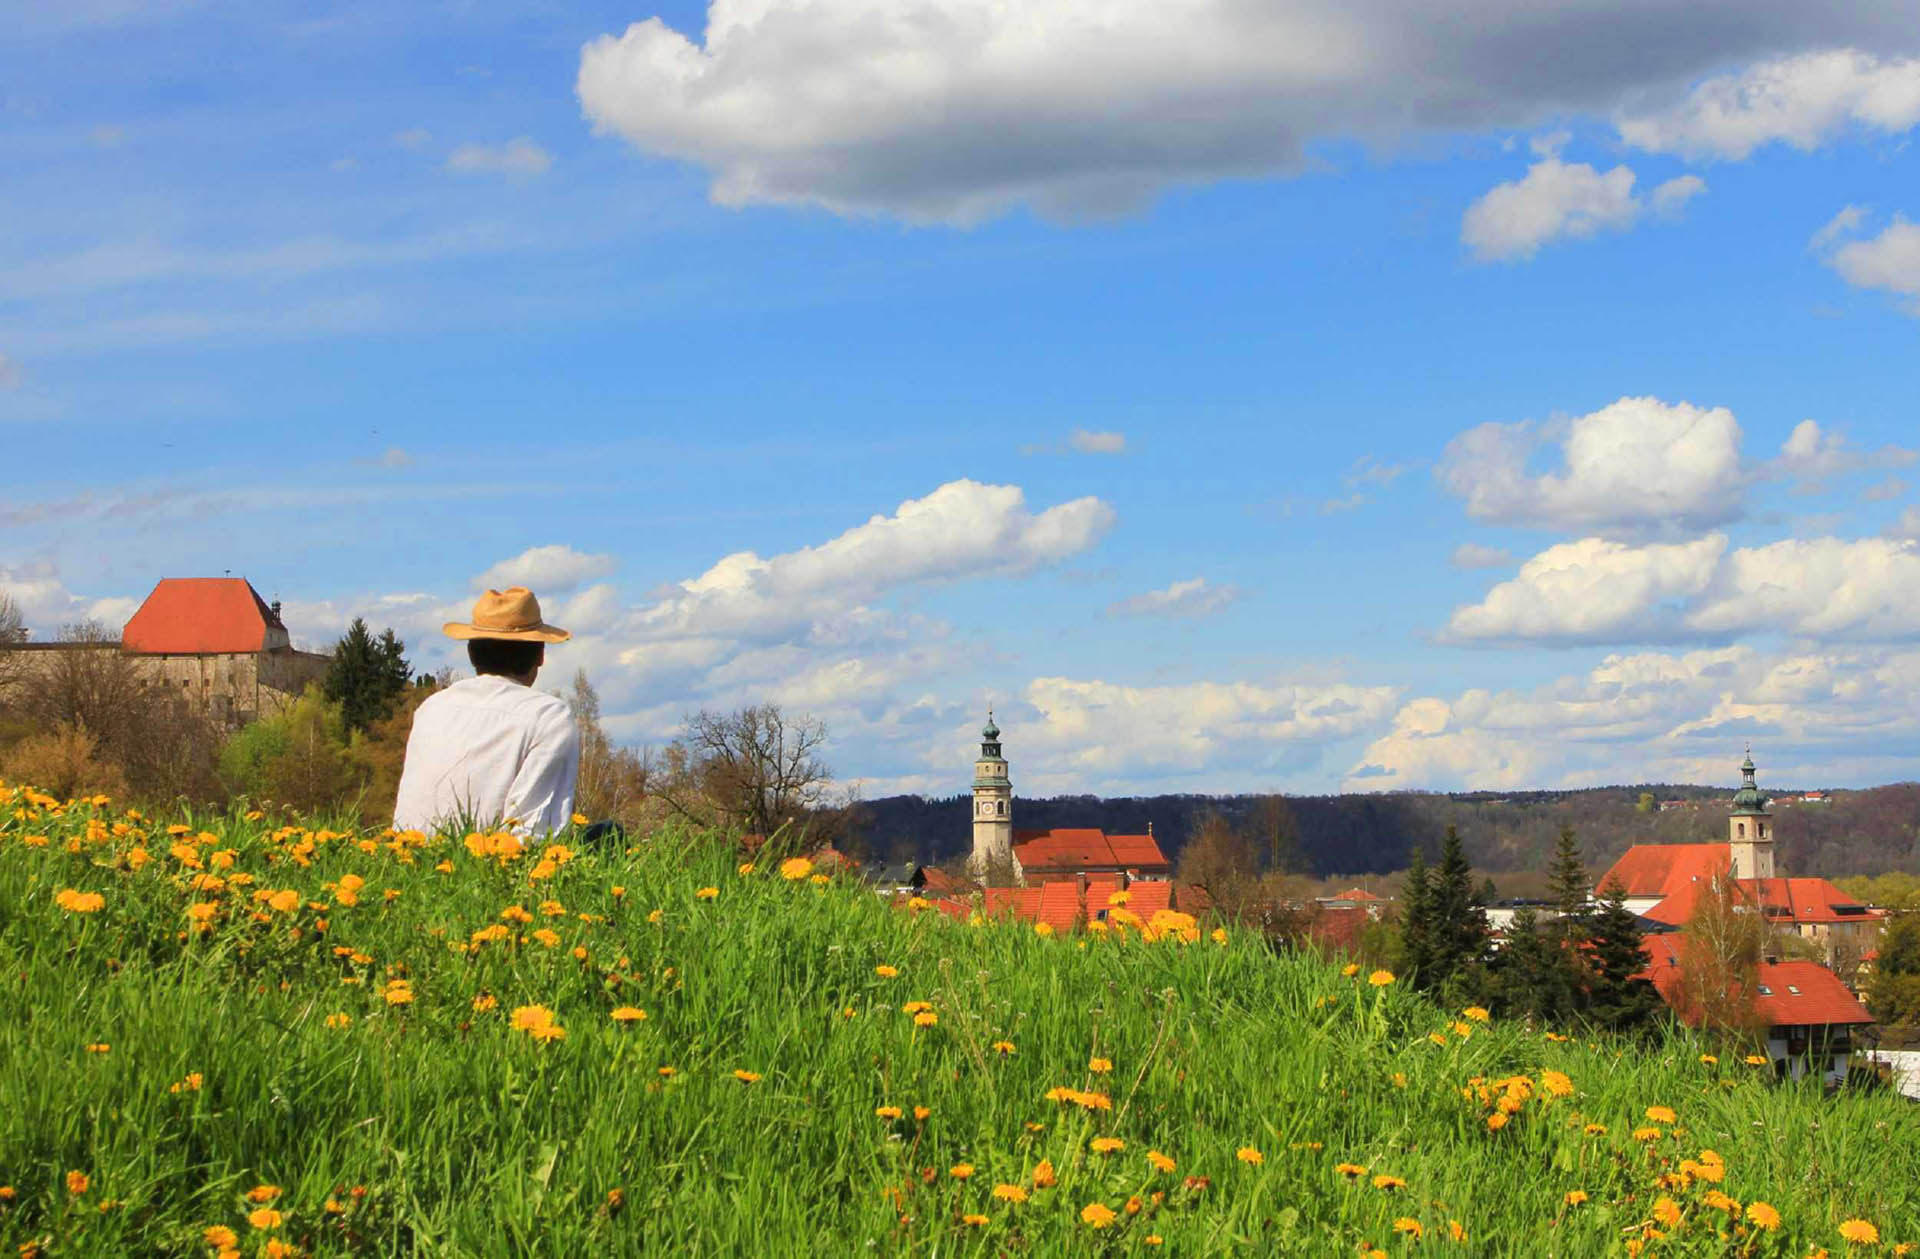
(485, 750)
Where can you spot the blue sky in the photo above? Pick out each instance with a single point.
(1459, 395)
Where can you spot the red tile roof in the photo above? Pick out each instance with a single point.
(1072, 850)
(1791, 993)
(1357, 894)
(1060, 904)
(200, 615)
(934, 879)
(1146, 897)
(1783, 900)
(1662, 869)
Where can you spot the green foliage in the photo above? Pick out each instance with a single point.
(299, 757)
(1900, 947)
(438, 1128)
(1457, 925)
(1616, 1000)
(1416, 920)
(366, 675)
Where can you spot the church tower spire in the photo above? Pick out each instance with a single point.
(992, 810)
(1750, 828)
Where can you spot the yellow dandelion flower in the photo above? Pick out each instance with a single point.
(220, 1237)
(1107, 1145)
(1350, 969)
(1219, 936)
(527, 1017)
(1646, 1134)
(77, 1182)
(1456, 1230)
(1438, 1039)
(1408, 1225)
(264, 1218)
(75, 902)
(1152, 1239)
(920, 1113)
(1860, 1233)
(1477, 1013)
(1661, 1114)
(338, 1020)
(1043, 1175)
(1667, 1211)
(926, 1018)
(547, 1032)
(961, 1171)
(705, 894)
(1596, 1130)
(1046, 929)
(1380, 978)
(667, 1073)
(1160, 1162)
(1755, 1060)
(1097, 1215)
(484, 1002)
(1498, 1120)
(973, 1220)
(1352, 1171)
(1099, 1066)
(628, 1014)
(1557, 1083)
(1709, 1060)
(1010, 1193)
(263, 1193)
(795, 868)
(1574, 1197)
(1247, 1154)
(547, 936)
(1388, 1183)
(887, 1112)
(99, 1047)
(885, 971)
(1763, 1216)
(746, 1077)
(1003, 1047)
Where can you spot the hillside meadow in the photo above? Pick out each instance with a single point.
(244, 1034)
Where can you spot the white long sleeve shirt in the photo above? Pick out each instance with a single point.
(487, 750)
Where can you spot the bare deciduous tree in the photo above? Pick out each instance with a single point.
(13, 634)
(754, 770)
(614, 782)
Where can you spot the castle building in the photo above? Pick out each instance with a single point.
(214, 643)
(1750, 829)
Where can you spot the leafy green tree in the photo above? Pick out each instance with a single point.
(1530, 976)
(1646, 803)
(1615, 999)
(1900, 947)
(298, 757)
(366, 675)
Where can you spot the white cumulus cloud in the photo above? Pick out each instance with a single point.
(1592, 590)
(1803, 100)
(520, 157)
(1558, 200)
(1890, 260)
(963, 110)
(546, 569)
(1194, 598)
(1638, 463)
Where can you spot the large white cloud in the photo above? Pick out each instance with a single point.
(959, 110)
(1815, 716)
(553, 569)
(1639, 463)
(1890, 260)
(46, 604)
(1559, 199)
(1594, 590)
(1802, 100)
(962, 529)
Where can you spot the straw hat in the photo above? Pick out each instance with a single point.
(512, 614)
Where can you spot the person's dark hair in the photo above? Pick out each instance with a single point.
(505, 657)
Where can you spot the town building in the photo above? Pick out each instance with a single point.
(215, 643)
(1664, 883)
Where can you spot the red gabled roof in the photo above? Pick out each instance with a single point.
(1083, 848)
(1146, 898)
(1802, 993)
(200, 615)
(1357, 894)
(1804, 900)
(1060, 904)
(934, 879)
(1662, 869)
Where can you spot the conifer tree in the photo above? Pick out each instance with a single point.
(1416, 925)
(1567, 879)
(1458, 925)
(1615, 1000)
(366, 675)
(1530, 976)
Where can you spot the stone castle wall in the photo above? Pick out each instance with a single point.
(232, 688)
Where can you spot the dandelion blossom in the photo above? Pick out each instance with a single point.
(1097, 1215)
(1763, 1216)
(1043, 1174)
(1010, 1193)
(1667, 1211)
(705, 894)
(1477, 1013)
(1046, 929)
(75, 902)
(1408, 1225)
(961, 1171)
(1574, 1197)
(263, 1193)
(887, 1112)
(973, 1220)
(795, 868)
(1107, 1145)
(926, 1018)
(1646, 1134)
(746, 1077)
(628, 1014)
(1350, 969)
(339, 1020)
(1100, 1066)
(1160, 1162)
(1860, 1233)
(264, 1218)
(885, 971)
(1388, 1183)
(1003, 1047)
(77, 1182)
(1247, 1154)
(1380, 978)
(1352, 1171)
(1557, 1083)
(220, 1237)
(1661, 1114)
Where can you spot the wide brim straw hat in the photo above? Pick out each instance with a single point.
(512, 614)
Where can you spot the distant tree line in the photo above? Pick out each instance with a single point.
(1861, 832)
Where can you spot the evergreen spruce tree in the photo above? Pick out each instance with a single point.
(1529, 976)
(1567, 879)
(366, 675)
(1571, 931)
(1458, 931)
(1615, 1000)
(1416, 922)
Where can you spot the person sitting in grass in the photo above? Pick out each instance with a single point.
(490, 750)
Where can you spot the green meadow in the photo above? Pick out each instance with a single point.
(259, 1035)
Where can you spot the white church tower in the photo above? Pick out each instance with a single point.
(992, 809)
(1750, 829)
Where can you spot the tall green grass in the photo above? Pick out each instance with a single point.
(432, 1127)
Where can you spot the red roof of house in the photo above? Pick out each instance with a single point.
(1078, 849)
(1781, 899)
(1060, 904)
(200, 615)
(1662, 869)
(1357, 894)
(934, 879)
(1791, 993)
(1146, 897)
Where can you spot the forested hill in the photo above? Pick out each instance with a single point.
(1860, 832)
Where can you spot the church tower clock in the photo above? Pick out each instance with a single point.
(992, 809)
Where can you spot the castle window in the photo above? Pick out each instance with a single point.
(1740, 829)
(1003, 808)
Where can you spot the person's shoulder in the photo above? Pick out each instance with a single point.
(543, 707)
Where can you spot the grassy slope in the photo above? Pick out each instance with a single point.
(470, 1138)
